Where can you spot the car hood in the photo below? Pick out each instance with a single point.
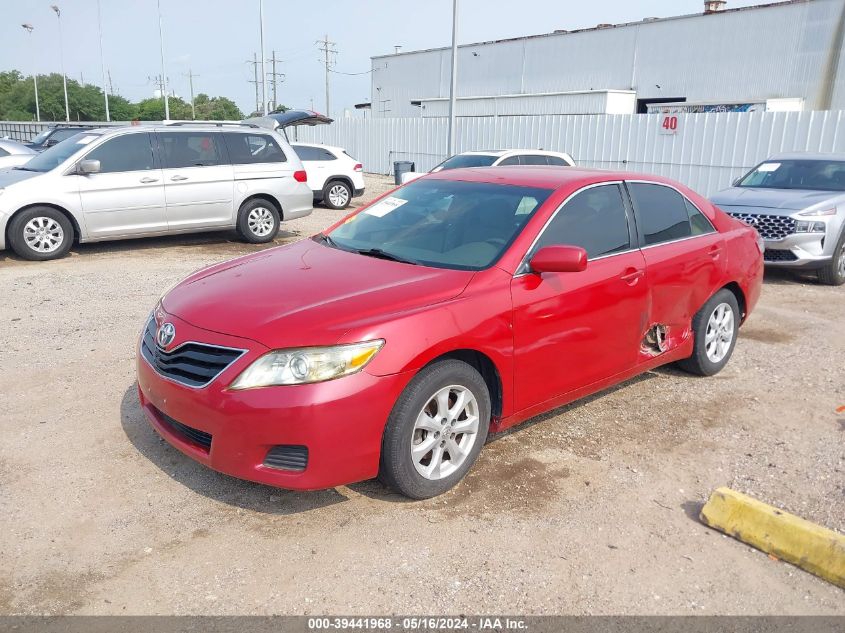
(782, 199)
(11, 176)
(307, 294)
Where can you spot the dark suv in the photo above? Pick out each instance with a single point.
(55, 134)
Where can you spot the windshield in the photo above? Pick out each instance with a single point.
(59, 153)
(820, 175)
(441, 223)
(466, 160)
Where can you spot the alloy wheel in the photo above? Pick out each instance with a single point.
(840, 265)
(260, 221)
(720, 333)
(43, 235)
(445, 432)
(339, 195)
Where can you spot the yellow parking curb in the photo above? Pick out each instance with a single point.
(809, 546)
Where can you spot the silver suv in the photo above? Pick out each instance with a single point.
(137, 181)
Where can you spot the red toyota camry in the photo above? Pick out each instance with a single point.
(455, 306)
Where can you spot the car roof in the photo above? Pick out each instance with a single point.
(319, 145)
(808, 156)
(501, 152)
(542, 176)
(14, 147)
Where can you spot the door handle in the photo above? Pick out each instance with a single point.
(715, 251)
(146, 180)
(631, 276)
(178, 178)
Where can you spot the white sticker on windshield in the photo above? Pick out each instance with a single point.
(769, 167)
(85, 140)
(383, 207)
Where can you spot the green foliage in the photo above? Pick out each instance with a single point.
(86, 102)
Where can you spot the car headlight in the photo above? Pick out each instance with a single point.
(803, 226)
(307, 364)
(818, 213)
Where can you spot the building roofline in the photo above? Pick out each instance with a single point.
(755, 7)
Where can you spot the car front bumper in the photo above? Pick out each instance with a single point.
(340, 422)
(806, 251)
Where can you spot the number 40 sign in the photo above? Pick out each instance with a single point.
(669, 124)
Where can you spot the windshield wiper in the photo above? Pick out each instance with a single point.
(379, 253)
(24, 169)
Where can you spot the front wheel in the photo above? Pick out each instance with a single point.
(714, 330)
(436, 430)
(40, 233)
(337, 195)
(258, 221)
(833, 274)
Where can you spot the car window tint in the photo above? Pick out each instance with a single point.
(557, 160)
(510, 160)
(662, 213)
(533, 159)
(594, 219)
(698, 221)
(190, 149)
(128, 152)
(62, 134)
(245, 149)
(3, 152)
(305, 153)
(324, 154)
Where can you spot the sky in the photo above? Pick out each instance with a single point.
(215, 39)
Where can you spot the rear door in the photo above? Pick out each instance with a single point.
(320, 164)
(684, 255)
(198, 179)
(127, 196)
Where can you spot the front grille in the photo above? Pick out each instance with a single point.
(201, 438)
(779, 256)
(192, 364)
(287, 457)
(770, 227)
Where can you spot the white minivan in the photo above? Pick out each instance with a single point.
(137, 181)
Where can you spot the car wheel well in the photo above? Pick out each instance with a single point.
(267, 198)
(740, 297)
(76, 231)
(344, 179)
(488, 370)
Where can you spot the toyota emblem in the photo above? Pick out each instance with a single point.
(166, 334)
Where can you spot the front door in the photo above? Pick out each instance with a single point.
(198, 180)
(126, 197)
(574, 329)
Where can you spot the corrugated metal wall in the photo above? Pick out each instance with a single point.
(707, 152)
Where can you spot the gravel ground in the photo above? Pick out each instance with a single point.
(588, 509)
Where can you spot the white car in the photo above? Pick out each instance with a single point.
(118, 183)
(333, 175)
(497, 158)
(13, 153)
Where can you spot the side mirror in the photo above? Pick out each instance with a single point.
(86, 167)
(50, 142)
(559, 259)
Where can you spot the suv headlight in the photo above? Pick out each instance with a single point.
(818, 213)
(307, 364)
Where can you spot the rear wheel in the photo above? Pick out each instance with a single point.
(436, 430)
(258, 221)
(833, 274)
(714, 328)
(40, 233)
(337, 195)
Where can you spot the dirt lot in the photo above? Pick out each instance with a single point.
(589, 509)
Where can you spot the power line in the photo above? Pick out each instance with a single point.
(254, 63)
(329, 59)
(275, 79)
(190, 75)
(337, 72)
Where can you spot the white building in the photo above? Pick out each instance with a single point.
(782, 56)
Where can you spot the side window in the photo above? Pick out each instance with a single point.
(191, 149)
(699, 223)
(662, 213)
(324, 154)
(533, 159)
(306, 153)
(557, 161)
(3, 152)
(245, 149)
(594, 219)
(61, 134)
(510, 160)
(127, 152)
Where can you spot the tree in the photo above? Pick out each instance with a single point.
(153, 109)
(216, 108)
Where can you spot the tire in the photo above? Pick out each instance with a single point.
(258, 221)
(419, 402)
(41, 233)
(337, 194)
(708, 358)
(833, 274)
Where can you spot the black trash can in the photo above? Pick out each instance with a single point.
(400, 167)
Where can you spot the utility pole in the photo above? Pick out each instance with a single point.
(254, 63)
(190, 75)
(102, 61)
(29, 28)
(62, 59)
(163, 64)
(111, 87)
(275, 79)
(329, 59)
(263, 56)
(454, 79)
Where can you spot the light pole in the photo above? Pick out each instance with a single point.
(102, 61)
(454, 84)
(163, 64)
(29, 29)
(263, 57)
(62, 59)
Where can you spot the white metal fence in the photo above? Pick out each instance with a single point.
(705, 151)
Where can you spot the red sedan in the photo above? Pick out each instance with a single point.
(455, 306)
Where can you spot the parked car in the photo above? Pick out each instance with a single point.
(457, 305)
(54, 135)
(126, 182)
(333, 175)
(497, 158)
(13, 153)
(797, 204)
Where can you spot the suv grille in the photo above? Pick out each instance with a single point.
(770, 227)
(191, 364)
(193, 435)
(772, 255)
